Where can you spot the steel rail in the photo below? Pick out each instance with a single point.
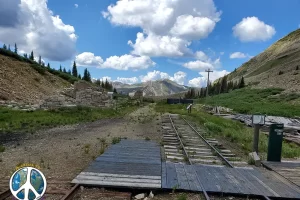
(219, 154)
(71, 193)
(211, 146)
(190, 162)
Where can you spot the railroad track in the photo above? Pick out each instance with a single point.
(200, 148)
(184, 143)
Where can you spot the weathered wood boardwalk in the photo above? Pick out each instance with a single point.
(219, 179)
(137, 164)
(289, 170)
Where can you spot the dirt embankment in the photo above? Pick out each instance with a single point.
(20, 82)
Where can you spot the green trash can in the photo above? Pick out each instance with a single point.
(275, 143)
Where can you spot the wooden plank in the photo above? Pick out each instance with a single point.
(172, 180)
(192, 178)
(120, 175)
(181, 176)
(163, 175)
(118, 184)
(118, 179)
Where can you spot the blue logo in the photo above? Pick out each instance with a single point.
(28, 183)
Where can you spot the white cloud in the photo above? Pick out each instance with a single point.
(214, 75)
(252, 29)
(76, 5)
(178, 77)
(168, 26)
(222, 53)
(88, 59)
(193, 28)
(31, 25)
(154, 45)
(237, 55)
(202, 80)
(124, 62)
(131, 80)
(203, 65)
(198, 82)
(200, 55)
(127, 62)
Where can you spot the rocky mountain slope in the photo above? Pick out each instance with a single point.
(152, 88)
(278, 66)
(21, 83)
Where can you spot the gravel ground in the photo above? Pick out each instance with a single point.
(63, 152)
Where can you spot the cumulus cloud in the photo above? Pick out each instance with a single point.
(154, 45)
(198, 82)
(88, 59)
(124, 62)
(31, 25)
(76, 5)
(237, 55)
(131, 80)
(168, 26)
(200, 55)
(193, 28)
(178, 77)
(252, 29)
(202, 80)
(127, 62)
(200, 65)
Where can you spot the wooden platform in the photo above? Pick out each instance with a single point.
(134, 164)
(289, 170)
(137, 164)
(219, 179)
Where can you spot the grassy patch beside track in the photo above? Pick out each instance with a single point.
(232, 131)
(266, 101)
(30, 121)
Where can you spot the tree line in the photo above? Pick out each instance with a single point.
(222, 86)
(62, 72)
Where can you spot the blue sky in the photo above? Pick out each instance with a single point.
(176, 40)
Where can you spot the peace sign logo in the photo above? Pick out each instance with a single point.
(28, 183)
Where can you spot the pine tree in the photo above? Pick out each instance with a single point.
(25, 55)
(40, 60)
(224, 87)
(64, 70)
(106, 84)
(9, 47)
(60, 69)
(79, 76)
(4, 47)
(242, 83)
(115, 90)
(89, 78)
(16, 49)
(74, 70)
(31, 56)
(102, 84)
(69, 72)
(48, 66)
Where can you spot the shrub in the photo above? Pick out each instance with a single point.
(116, 140)
(2, 148)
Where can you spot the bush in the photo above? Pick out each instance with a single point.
(2, 148)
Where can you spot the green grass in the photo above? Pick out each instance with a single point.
(116, 140)
(30, 121)
(266, 101)
(2, 148)
(182, 197)
(232, 131)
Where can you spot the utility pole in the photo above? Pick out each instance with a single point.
(208, 71)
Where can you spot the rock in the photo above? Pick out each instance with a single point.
(151, 195)
(256, 158)
(81, 188)
(140, 196)
(146, 198)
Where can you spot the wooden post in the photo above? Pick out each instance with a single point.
(256, 138)
(208, 71)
